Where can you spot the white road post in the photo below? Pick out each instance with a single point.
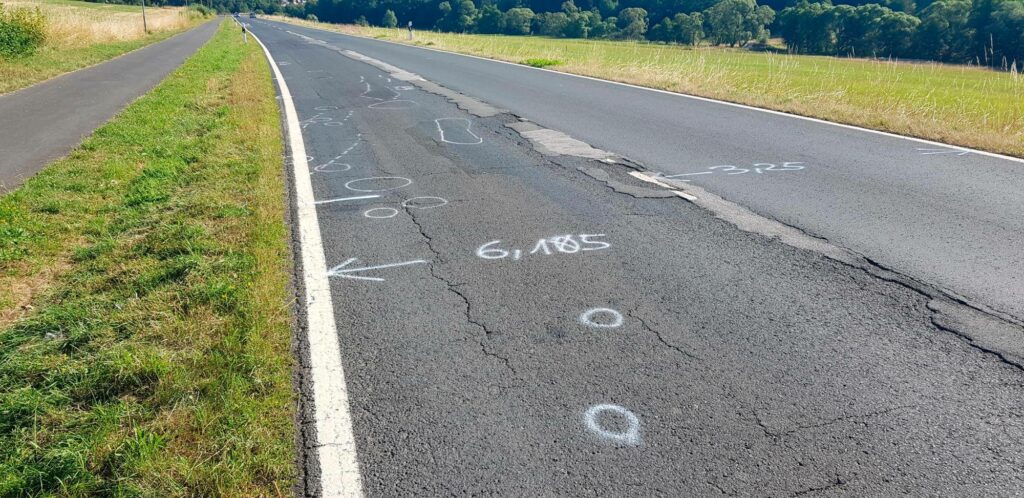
(145, 29)
(410, 30)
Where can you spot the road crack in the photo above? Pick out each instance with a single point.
(633, 314)
(453, 288)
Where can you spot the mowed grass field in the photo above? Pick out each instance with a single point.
(145, 317)
(80, 34)
(960, 105)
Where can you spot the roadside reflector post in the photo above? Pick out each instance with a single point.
(410, 30)
(245, 34)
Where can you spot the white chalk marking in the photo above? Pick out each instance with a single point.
(469, 124)
(688, 174)
(343, 271)
(566, 244)
(333, 167)
(342, 199)
(326, 108)
(387, 213)
(629, 437)
(432, 202)
(349, 183)
(334, 445)
(588, 318)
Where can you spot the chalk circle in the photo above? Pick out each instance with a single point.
(424, 202)
(283, 63)
(602, 318)
(394, 104)
(380, 213)
(334, 123)
(319, 119)
(333, 167)
(379, 183)
(628, 437)
(326, 108)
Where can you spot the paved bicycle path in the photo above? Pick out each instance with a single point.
(44, 122)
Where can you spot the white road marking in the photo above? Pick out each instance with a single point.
(341, 199)
(343, 271)
(335, 445)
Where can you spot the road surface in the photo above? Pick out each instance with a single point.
(45, 121)
(949, 219)
(517, 321)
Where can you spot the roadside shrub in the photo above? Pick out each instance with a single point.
(201, 10)
(22, 31)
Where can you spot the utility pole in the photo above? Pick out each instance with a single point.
(145, 29)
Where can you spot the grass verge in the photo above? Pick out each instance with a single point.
(81, 34)
(961, 105)
(153, 354)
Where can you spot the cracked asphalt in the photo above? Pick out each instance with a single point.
(721, 362)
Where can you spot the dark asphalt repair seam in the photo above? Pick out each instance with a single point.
(625, 188)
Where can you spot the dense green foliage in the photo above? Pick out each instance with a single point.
(985, 32)
(22, 31)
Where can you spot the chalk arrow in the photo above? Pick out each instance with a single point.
(344, 271)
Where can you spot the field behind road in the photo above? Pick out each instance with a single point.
(960, 105)
(144, 318)
(80, 34)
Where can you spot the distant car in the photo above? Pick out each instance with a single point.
(252, 15)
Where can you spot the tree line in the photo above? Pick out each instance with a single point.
(982, 32)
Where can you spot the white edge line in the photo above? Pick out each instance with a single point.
(335, 442)
(686, 95)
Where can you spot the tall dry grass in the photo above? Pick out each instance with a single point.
(74, 24)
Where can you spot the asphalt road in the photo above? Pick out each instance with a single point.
(541, 325)
(933, 214)
(45, 121)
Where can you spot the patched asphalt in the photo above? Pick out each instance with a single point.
(948, 218)
(614, 340)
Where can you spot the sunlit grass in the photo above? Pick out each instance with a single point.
(144, 312)
(962, 105)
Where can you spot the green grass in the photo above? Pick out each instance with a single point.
(961, 105)
(541, 62)
(145, 348)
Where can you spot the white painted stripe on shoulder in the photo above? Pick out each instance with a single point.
(335, 442)
(695, 97)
